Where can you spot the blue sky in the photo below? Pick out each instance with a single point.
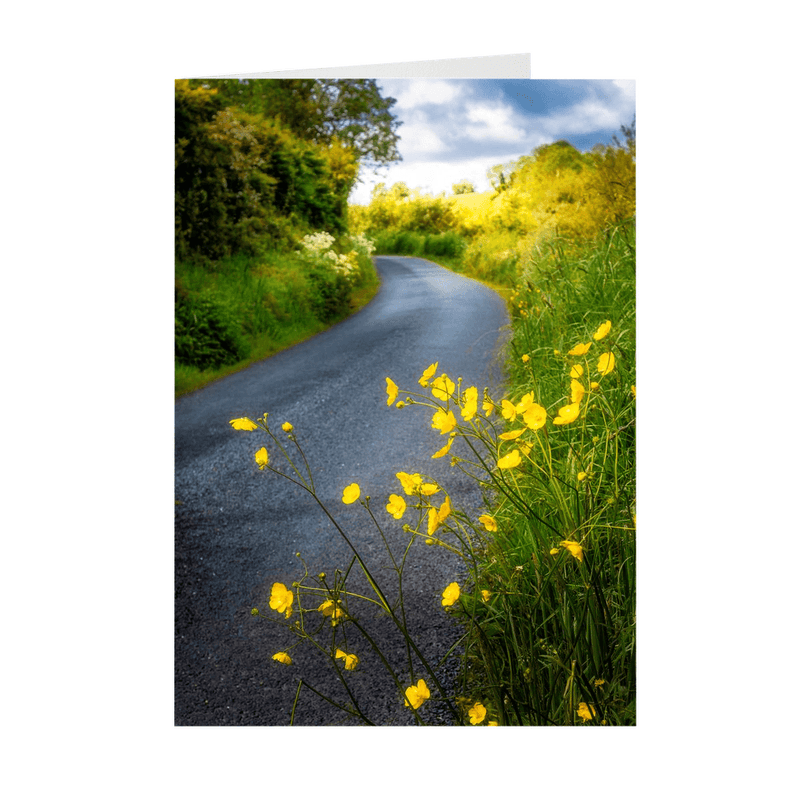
(459, 128)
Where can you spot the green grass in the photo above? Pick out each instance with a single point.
(559, 631)
(244, 308)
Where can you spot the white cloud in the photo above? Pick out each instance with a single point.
(447, 124)
(588, 116)
(628, 89)
(416, 93)
(418, 137)
(493, 123)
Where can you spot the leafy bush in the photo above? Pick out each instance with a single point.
(331, 293)
(207, 332)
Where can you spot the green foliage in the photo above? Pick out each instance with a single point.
(207, 332)
(245, 306)
(568, 630)
(410, 243)
(241, 178)
(611, 188)
(322, 110)
(398, 208)
(463, 187)
(554, 193)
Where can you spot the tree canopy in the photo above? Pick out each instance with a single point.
(321, 110)
(241, 177)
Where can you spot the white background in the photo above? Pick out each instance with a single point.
(87, 334)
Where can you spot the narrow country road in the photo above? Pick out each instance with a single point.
(237, 529)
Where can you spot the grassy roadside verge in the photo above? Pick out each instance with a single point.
(551, 607)
(240, 310)
(556, 644)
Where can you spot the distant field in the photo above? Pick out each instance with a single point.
(477, 205)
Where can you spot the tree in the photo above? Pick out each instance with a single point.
(500, 175)
(349, 110)
(463, 187)
(613, 184)
(240, 178)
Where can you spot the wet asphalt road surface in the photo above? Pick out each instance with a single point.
(237, 529)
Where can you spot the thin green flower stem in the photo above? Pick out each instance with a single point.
(399, 571)
(389, 667)
(288, 478)
(437, 542)
(382, 596)
(296, 698)
(349, 691)
(501, 485)
(341, 593)
(305, 461)
(274, 438)
(366, 505)
(342, 680)
(339, 706)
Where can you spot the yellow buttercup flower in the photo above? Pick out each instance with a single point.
(485, 594)
(576, 371)
(351, 493)
(410, 483)
(488, 405)
(580, 349)
(446, 449)
(470, 403)
(574, 548)
(442, 387)
(396, 506)
(577, 391)
(508, 436)
(444, 510)
(535, 416)
(428, 374)
(526, 358)
(262, 458)
(605, 363)
(437, 517)
(433, 521)
(350, 659)
(586, 712)
(525, 403)
(391, 391)
(284, 658)
(288, 427)
(332, 610)
(443, 421)
(581, 476)
(427, 489)
(633, 390)
(509, 410)
(450, 594)
(417, 695)
(477, 714)
(513, 459)
(488, 522)
(243, 424)
(567, 414)
(281, 599)
(602, 331)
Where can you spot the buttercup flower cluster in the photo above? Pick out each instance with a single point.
(502, 444)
